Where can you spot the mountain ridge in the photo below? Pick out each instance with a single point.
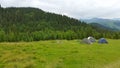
(109, 23)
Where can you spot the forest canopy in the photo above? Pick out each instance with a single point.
(32, 24)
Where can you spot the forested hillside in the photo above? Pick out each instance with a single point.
(32, 24)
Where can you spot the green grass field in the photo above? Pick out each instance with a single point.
(60, 54)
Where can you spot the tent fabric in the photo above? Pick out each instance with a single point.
(86, 41)
(102, 40)
(92, 39)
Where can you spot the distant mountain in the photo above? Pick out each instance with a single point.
(108, 23)
(116, 19)
(103, 27)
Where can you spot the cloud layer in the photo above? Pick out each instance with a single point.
(73, 8)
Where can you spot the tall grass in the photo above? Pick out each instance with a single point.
(60, 54)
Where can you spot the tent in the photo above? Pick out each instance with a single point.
(91, 39)
(102, 41)
(86, 41)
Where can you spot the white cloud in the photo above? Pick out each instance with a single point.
(73, 8)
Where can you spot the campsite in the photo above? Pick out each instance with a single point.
(91, 40)
(59, 34)
(60, 54)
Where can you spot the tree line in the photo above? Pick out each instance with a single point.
(32, 24)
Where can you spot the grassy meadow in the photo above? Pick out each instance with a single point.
(59, 54)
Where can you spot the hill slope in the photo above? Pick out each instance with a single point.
(109, 23)
(103, 27)
(32, 24)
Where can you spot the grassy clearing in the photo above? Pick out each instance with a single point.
(60, 54)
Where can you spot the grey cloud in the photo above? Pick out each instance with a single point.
(73, 8)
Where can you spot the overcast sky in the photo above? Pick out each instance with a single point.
(73, 8)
